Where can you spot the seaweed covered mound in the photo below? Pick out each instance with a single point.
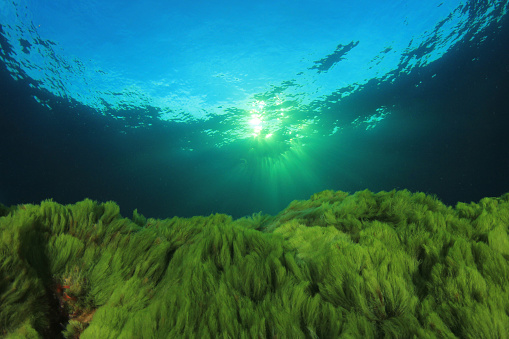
(391, 264)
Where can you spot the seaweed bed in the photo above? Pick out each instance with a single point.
(390, 264)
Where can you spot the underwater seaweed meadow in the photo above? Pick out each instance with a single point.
(366, 265)
(187, 117)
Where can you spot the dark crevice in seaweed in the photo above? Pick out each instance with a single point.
(58, 318)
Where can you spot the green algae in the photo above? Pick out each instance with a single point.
(392, 264)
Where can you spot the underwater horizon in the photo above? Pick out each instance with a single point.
(185, 109)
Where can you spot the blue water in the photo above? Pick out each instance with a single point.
(187, 108)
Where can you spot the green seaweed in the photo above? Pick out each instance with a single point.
(390, 264)
(4, 210)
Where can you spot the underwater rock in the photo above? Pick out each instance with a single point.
(394, 264)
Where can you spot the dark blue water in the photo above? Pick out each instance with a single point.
(242, 108)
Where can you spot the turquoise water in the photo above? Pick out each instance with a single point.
(221, 106)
